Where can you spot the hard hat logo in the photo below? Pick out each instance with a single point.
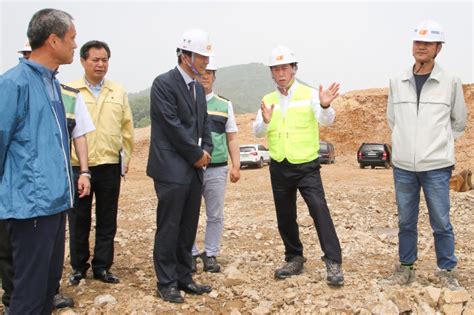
(209, 48)
(429, 31)
(282, 55)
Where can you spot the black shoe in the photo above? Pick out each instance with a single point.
(61, 301)
(76, 276)
(293, 267)
(210, 263)
(106, 276)
(194, 263)
(170, 294)
(194, 288)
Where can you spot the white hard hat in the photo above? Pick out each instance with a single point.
(212, 64)
(197, 41)
(26, 48)
(429, 31)
(282, 55)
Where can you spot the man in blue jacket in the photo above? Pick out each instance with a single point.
(36, 185)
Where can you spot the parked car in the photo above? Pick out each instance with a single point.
(374, 154)
(254, 155)
(326, 153)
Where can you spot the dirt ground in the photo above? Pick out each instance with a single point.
(363, 207)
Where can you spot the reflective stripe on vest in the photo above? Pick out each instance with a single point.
(295, 136)
(217, 110)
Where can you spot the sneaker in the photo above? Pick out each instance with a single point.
(402, 275)
(210, 263)
(6, 310)
(293, 267)
(448, 279)
(334, 274)
(61, 301)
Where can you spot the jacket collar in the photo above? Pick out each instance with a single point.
(435, 74)
(42, 70)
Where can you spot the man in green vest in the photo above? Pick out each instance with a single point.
(224, 138)
(289, 117)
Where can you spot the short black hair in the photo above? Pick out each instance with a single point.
(293, 65)
(46, 22)
(94, 44)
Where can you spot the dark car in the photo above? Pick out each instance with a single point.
(374, 154)
(326, 153)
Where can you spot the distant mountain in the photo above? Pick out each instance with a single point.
(244, 85)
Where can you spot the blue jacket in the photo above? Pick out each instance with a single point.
(35, 172)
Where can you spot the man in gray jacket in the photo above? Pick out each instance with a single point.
(426, 112)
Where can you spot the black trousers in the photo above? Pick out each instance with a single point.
(38, 257)
(177, 219)
(6, 263)
(105, 186)
(286, 179)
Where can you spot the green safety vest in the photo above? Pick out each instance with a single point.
(217, 111)
(294, 137)
(69, 95)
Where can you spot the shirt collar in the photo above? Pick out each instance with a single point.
(94, 87)
(187, 78)
(290, 90)
(435, 74)
(209, 96)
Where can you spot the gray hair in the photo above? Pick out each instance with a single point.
(46, 22)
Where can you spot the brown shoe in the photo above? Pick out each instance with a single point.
(293, 267)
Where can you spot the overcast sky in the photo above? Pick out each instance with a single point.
(359, 44)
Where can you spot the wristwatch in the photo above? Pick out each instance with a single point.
(85, 173)
(324, 107)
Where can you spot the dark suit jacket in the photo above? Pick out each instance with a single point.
(176, 126)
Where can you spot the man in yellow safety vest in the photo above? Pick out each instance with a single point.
(289, 117)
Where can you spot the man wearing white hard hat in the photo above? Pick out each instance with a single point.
(26, 50)
(426, 113)
(224, 138)
(180, 147)
(289, 117)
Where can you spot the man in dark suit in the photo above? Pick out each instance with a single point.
(180, 148)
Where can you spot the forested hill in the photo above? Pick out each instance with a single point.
(244, 85)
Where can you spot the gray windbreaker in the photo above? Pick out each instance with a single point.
(423, 139)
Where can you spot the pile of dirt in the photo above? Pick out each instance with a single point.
(361, 117)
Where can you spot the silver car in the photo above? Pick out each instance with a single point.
(254, 155)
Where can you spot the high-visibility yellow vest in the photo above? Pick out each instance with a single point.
(295, 136)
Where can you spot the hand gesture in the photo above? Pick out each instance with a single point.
(266, 112)
(327, 96)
